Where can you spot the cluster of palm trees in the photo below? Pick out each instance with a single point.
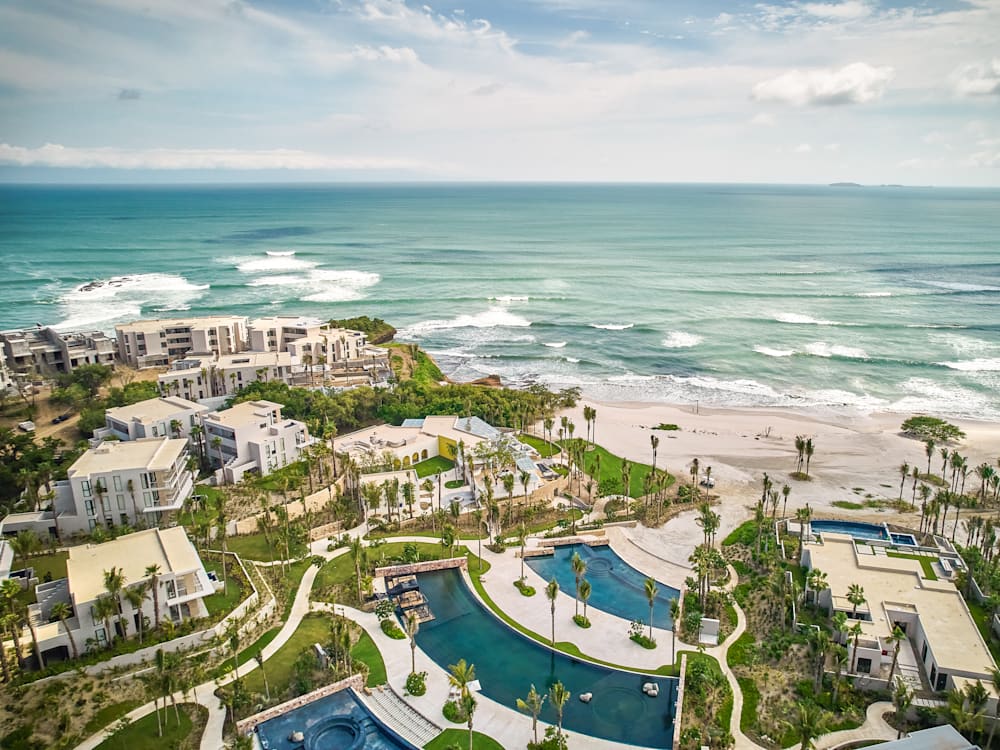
(804, 449)
(558, 696)
(110, 606)
(171, 674)
(460, 676)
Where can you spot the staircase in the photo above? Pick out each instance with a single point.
(400, 716)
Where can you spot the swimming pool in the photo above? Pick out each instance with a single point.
(507, 664)
(863, 531)
(336, 722)
(616, 586)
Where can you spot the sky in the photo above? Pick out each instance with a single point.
(500, 90)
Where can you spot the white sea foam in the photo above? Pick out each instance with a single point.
(823, 349)
(769, 352)
(960, 286)
(494, 317)
(681, 340)
(975, 365)
(572, 360)
(929, 396)
(612, 326)
(281, 253)
(269, 264)
(506, 298)
(555, 344)
(873, 294)
(798, 319)
(934, 325)
(321, 284)
(99, 304)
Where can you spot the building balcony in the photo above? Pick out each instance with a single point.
(189, 586)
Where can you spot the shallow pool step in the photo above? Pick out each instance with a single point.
(401, 716)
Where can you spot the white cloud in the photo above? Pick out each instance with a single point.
(832, 147)
(849, 10)
(803, 148)
(979, 80)
(762, 118)
(56, 155)
(989, 158)
(857, 83)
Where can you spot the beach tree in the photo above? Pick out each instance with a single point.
(585, 590)
(62, 612)
(855, 632)
(412, 624)
(531, 704)
(654, 442)
(896, 638)
(468, 705)
(904, 472)
(461, 674)
(579, 567)
(800, 446)
(808, 451)
(552, 593)
(558, 697)
(651, 591)
(929, 445)
(808, 723)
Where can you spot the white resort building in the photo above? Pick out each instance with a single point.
(906, 588)
(199, 376)
(182, 584)
(170, 416)
(155, 343)
(252, 436)
(308, 339)
(46, 351)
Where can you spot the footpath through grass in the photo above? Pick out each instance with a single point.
(142, 734)
(460, 738)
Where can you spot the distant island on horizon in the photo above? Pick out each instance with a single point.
(859, 185)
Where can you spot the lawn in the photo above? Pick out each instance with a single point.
(366, 651)
(544, 447)
(611, 470)
(255, 547)
(246, 654)
(460, 738)
(340, 570)
(926, 564)
(107, 714)
(313, 629)
(222, 602)
(141, 734)
(53, 563)
(432, 466)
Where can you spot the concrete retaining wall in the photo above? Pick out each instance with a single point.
(246, 726)
(679, 705)
(422, 567)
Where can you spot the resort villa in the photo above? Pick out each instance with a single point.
(311, 341)
(45, 350)
(199, 376)
(908, 588)
(170, 416)
(182, 583)
(252, 436)
(155, 343)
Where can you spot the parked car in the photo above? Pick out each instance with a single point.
(26, 426)
(61, 418)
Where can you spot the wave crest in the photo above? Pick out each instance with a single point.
(121, 298)
(769, 352)
(823, 349)
(613, 326)
(804, 320)
(975, 365)
(494, 317)
(681, 340)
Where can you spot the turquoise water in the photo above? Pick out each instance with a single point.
(507, 664)
(616, 587)
(862, 531)
(728, 295)
(336, 722)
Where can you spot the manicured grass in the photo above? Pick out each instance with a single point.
(611, 469)
(460, 738)
(340, 570)
(246, 654)
(289, 476)
(366, 651)
(847, 505)
(141, 734)
(255, 547)
(739, 653)
(745, 533)
(751, 699)
(926, 564)
(108, 714)
(53, 563)
(222, 602)
(544, 447)
(432, 466)
(312, 629)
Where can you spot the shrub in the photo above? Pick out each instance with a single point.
(669, 427)
(524, 588)
(392, 630)
(643, 640)
(384, 609)
(582, 621)
(453, 712)
(416, 683)
(931, 428)
(453, 484)
(553, 741)
(497, 547)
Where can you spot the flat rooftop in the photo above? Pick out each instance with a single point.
(157, 324)
(254, 359)
(249, 412)
(153, 409)
(155, 454)
(286, 321)
(133, 553)
(897, 584)
(470, 430)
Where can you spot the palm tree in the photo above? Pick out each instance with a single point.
(856, 596)
(810, 722)
(114, 583)
(819, 644)
(995, 682)
(461, 674)
(62, 612)
(136, 596)
(584, 591)
(896, 638)
(412, 628)
(552, 593)
(855, 631)
(522, 538)
(558, 696)
(803, 516)
(839, 662)
(675, 616)
(902, 698)
(808, 452)
(532, 704)
(579, 569)
(7, 622)
(929, 450)
(217, 444)
(655, 443)
(104, 609)
(651, 592)
(153, 573)
(259, 658)
(904, 471)
(468, 705)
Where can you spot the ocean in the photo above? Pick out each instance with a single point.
(866, 299)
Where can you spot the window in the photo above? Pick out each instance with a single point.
(147, 499)
(92, 524)
(942, 681)
(100, 634)
(124, 519)
(121, 501)
(89, 504)
(865, 665)
(85, 486)
(118, 483)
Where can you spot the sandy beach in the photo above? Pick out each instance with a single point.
(851, 451)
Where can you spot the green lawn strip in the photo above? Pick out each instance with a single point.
(751, 699)
(107, 714)
(246, 654)
(926, 563)
(460, 738)
(53, 563)
(847, 505)
(340, 570)
(739, 653)
(314, 628)
(277, 480)
(565, 647)
(222, 602)
(430, 534)
(432, 466)
(611, 469)
(544, 447)
(366, 651)
(294, 577)
(255, 547)
(141, 734)
(745, 533)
